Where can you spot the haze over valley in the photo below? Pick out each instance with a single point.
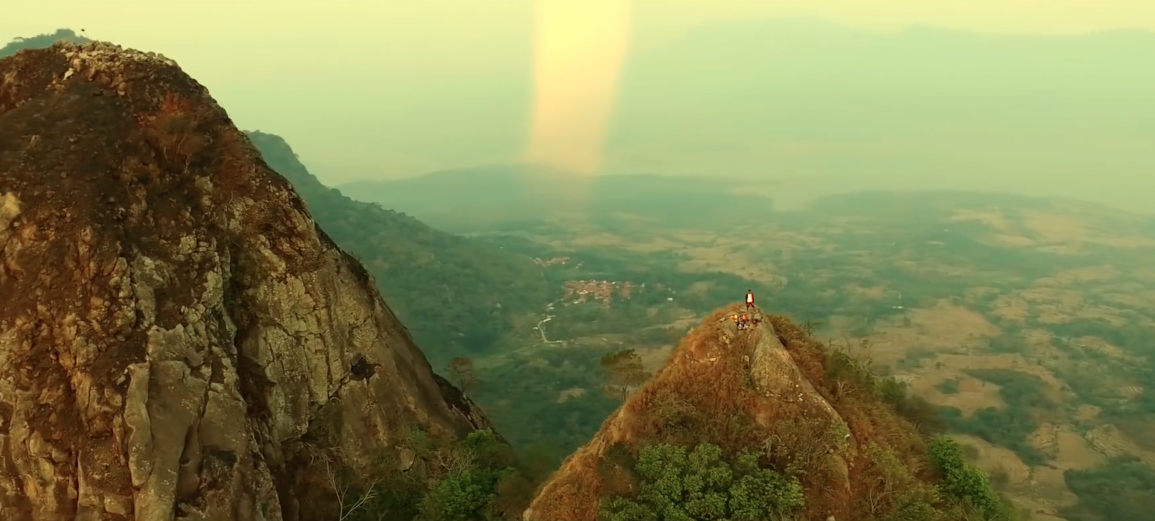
(794, 100)
(465, 262)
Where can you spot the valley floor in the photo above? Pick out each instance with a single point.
(1028, 326)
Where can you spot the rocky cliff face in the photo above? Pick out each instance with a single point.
(177, 336)
(464, 302)
(765, 390)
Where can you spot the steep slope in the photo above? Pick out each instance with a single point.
(763, 424)
(456, 294)
(177, 335)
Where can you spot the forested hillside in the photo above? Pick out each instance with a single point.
(457, 295)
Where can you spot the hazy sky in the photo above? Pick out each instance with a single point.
(391, 88)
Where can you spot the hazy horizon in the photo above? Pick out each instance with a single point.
(824, 97)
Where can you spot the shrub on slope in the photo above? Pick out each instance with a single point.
(782, 407)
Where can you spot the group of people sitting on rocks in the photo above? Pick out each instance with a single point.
(752, 317)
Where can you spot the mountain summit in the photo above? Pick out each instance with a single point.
(764, 423)
(178, 338)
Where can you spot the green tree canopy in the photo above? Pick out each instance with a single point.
(702, 486)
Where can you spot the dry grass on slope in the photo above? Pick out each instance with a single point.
(706, 393)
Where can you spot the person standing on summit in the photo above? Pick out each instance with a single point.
(749, 300)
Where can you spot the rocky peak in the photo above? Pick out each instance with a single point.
(177, 337)
(765, 391)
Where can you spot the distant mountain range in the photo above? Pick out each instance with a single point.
(921, 108)
(40, 41)
(493, 196)
(795, 98)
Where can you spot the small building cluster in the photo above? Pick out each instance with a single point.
(579, 291)
(553, 261)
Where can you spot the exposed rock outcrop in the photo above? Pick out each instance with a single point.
(490, 285)
(172, 321)
(764, 388)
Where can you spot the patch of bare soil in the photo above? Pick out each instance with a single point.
(1110, 441)
(1012, 308)
(1066, 446)
(980, 293)
(606, 239)
(1087, 413)
(1135, 297)
(1081, 275)
(950, 362)
(973, 394)
(741, 263)
(1052, 226)
(1046, 491)
(1042, 516)
(876, 292)
(994, 460)
(1067, 229)
(943, 328)
(1006, 239)
(1043, 489)
(743, 253)
(1052, 305)
(1040, 345)
(699, 288)
(1059, 391)
(953, 320)
(1130, 391)
(992, 217)
(1105, 348)
(1074, 451)
(570, 394)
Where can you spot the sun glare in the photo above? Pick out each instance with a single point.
(579, 50)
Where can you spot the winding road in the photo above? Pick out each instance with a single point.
(540, 327)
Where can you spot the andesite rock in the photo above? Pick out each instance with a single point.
(177, 336)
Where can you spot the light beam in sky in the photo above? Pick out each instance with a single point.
(579, 50)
